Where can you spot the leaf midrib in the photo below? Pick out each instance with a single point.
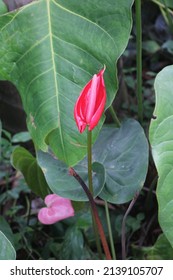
(54, 75)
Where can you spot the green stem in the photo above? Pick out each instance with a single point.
(139, 59)
(114, 116)
(90, 183)
(110, 231)
(89, 145)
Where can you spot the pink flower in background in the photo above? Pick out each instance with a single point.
(90, 103)
(58, 208)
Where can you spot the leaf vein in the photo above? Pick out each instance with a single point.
(54, 74)
(84, 18)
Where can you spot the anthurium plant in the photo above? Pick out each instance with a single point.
(62, 58)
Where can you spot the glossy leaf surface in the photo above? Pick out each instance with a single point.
(50, 49)
(120, 159)
(161, 138)
(124, 155)
(59, 179)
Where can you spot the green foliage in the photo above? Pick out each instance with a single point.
(161, 138)
(168, 45)
(22, 160)
(134, 223)
(51, 65)
(161, 250)
(21, 137)
(168, 3)
(73, 245)
(121, 154)
(124, 155)
(7, 251)
(8, 142)
(6, 230)
(59, 180)
(3, 8)
(150, 46)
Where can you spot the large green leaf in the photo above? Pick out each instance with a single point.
(59, 179)
(120, 153)
(22, 160)
(7, 251)
(124, 154)
(161, 138)
(49, 49)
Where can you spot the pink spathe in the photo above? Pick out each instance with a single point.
(58, 208)
(90, 104)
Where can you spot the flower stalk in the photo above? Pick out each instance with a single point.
(95, 213)
(89, 152)
(90, 184)
(88, 110)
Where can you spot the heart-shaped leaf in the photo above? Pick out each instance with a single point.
(22, 160)
(50, 49)
(124, 154)
(59, 179)
(121, 153)
(7, 251)
(161, 138)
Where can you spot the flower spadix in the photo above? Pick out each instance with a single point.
(90, 103)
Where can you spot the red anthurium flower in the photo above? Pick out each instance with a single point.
(58, 208)
(91, 102)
